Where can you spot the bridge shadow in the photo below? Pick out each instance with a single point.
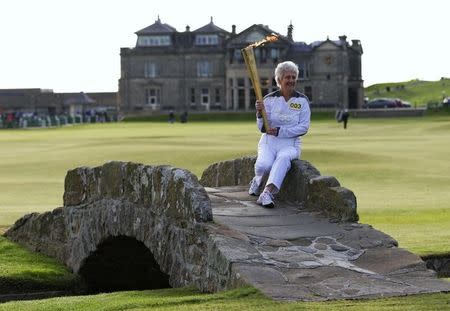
(122, 263)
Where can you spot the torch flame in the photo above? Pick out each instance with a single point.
(271, 38)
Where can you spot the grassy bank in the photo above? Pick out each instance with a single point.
(239, 299)
(22, 271)
(418, 93)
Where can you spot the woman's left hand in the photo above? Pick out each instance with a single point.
(272, 131)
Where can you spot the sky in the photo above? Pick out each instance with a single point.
(74, 45)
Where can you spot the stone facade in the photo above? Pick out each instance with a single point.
(204, 70)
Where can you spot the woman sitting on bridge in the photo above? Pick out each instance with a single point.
(288, 114)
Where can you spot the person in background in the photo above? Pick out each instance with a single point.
(288, 114)
(184, 117)
(345, 115)
(171, 116)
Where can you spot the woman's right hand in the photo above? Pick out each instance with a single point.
(259, 105)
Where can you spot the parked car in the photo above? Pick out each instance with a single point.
(386, 103)
(404, 104)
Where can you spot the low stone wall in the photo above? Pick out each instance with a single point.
(303, 185)
(387, 113)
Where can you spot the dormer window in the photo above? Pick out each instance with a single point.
(206, 40)
(154, 41)
(254, 36)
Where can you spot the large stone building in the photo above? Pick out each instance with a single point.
(204, 69)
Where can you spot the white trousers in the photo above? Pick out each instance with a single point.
(274, 157)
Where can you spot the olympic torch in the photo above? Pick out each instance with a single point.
(250, 62)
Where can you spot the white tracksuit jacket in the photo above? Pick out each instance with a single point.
(275, 153)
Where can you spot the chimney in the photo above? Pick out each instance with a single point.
(233, 29)
(188, 28)
(343, 38)
(289, 32)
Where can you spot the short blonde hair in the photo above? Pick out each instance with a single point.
(284, 67)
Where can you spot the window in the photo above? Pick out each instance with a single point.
(241, 93)
(274, 54)
(154, 41)
(150, 70)
(192, 96)
(303, 71)
(204, 69)
(255, 36)
(238, 56)
(257, 54)
(152, 96)
(231, 88)
(206, 40)
(241, 99)
(263, 58)
(217, 96)
(205, 96)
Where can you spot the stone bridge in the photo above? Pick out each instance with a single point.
(128, 225)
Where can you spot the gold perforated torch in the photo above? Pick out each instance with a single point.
(250, 62)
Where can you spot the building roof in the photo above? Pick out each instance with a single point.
(339, 43)
(156, 28)
(245, 37)
(80, 99)
(210, 28)
(301, 47)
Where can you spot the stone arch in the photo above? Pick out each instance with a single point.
(161, 207)
(122, 263)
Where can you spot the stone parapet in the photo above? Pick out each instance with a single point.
(165, 190)
(303, 185)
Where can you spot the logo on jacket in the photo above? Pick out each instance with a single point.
(295, 106)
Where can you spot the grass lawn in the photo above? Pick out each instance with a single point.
(24, 271)
(246, 298)
(398, 170)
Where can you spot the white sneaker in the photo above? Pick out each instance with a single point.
(254, 187)
(266, 199)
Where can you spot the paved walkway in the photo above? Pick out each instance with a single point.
(290, 253)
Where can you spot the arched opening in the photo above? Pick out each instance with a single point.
(122, 263)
